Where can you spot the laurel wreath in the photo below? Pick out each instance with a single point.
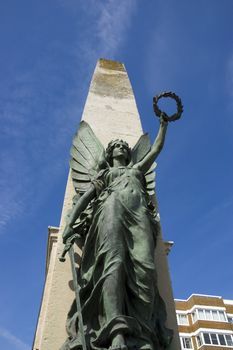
(179, 106)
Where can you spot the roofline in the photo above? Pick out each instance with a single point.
(200, 295)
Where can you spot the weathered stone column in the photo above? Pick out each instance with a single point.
(112, 113)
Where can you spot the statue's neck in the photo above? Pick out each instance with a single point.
(117, 162)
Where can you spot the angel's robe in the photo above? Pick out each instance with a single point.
(119, 292)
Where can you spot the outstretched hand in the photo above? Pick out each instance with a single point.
(163, 120)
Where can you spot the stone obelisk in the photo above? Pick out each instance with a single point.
(112, 113)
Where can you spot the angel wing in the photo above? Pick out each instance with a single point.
(86, 153)
(139, 151)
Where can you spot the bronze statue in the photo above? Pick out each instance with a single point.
(114, 215)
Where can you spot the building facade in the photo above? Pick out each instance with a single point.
(205, 322)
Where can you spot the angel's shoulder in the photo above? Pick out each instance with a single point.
(102, 173)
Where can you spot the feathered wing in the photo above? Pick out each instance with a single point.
(86, 153)
(139, 151)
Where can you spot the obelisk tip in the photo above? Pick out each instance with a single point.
(109, 64)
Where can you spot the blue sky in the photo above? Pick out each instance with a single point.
(49, 50)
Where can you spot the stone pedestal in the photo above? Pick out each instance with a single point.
(112, 113)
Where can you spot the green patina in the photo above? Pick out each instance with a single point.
(114, 216)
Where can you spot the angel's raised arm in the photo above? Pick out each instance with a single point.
(156, 148)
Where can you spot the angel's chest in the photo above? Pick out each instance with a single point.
(121, 174)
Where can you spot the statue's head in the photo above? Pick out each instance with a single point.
(118, 148)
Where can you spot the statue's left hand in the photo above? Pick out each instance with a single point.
(68, 231)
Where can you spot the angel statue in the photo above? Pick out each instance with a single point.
(114, 214)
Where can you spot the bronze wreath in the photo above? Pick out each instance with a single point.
(179, 105)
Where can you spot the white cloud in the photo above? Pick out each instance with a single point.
(105, 29)
(36, 122)
(13, 340)
(113, 21)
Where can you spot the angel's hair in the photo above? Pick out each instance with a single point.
(111, 146)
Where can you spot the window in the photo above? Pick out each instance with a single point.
(194, 316)
(230, 319)
(199, 341)
(182, 319)
(214, 339)
(201, 314)
(209, 315)
(186, 342)
(206, 338)
(222, 316)
(229, 339)
(222, 340)
(215, 315)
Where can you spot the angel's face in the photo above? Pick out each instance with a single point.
(120, 150)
